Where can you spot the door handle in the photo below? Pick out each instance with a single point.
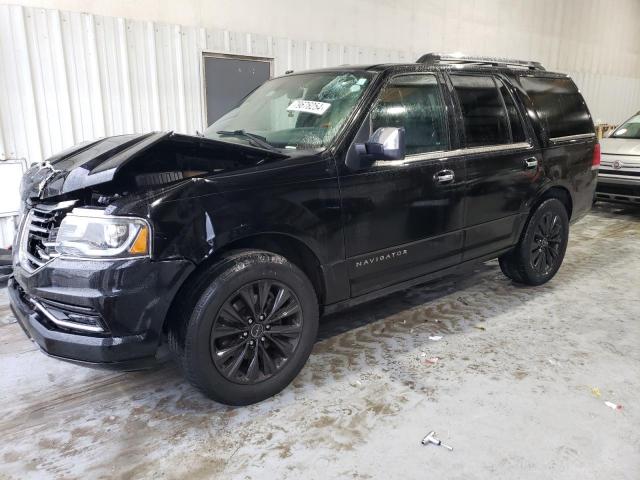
(445, 176)
(531, 162)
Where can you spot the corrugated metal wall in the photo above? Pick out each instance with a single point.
(74, 76)
(66, 77)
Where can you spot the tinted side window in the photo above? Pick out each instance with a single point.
(517, 130)
(484, 114)
(559, 105)
(413, 102)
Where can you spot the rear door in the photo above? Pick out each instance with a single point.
(501, 163)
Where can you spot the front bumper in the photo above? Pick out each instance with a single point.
(131, 299)
(618, 188)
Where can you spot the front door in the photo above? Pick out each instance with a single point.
(500, 160)
(403, 218)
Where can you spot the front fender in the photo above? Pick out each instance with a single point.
(195, 228)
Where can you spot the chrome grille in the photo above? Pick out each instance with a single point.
(39, 233)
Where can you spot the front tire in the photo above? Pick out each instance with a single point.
(251, 330)
(540, 251)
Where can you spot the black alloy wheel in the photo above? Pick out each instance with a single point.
(546, 243)
(539, 253)
(256, 331)
(245, 326)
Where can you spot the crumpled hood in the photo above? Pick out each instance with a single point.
(84, 165)
(97, 162)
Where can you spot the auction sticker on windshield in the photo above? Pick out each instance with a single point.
(309, 106)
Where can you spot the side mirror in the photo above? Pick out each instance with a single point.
(386, 143)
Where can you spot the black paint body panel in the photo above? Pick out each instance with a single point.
(369, 229)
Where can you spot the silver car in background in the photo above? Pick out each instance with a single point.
(619, 175)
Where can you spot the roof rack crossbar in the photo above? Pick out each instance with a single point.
(457, 59)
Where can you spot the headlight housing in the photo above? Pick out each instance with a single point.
(90, 233)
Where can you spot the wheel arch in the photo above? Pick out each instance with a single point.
(290, 247)
(560, 192)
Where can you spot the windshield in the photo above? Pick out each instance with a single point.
(300, 112)
(629, 129)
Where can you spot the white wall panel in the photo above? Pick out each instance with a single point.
(7, 231)
(69, 76)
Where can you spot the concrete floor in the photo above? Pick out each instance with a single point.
(512, 390)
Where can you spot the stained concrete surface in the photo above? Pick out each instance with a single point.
(511, 391)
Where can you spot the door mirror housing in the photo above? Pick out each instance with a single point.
(386, 143)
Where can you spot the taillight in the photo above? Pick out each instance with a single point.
(595, 162)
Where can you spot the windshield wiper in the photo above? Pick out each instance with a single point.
(257, 139)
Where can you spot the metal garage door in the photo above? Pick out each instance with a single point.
(229, 78)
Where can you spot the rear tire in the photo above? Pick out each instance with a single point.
(539, 253)
(251, 328)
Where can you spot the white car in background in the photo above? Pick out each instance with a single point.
(619, 175)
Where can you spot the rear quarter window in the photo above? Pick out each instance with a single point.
(559, 105)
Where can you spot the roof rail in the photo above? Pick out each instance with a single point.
(459, 59)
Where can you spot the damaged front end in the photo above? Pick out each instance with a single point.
(125, 175)
(93, 277)
(129, 163)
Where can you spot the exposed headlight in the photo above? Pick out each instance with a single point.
(91, 233)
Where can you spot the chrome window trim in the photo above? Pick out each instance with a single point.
(418, 157)
(570, 138)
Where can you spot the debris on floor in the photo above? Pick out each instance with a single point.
(432, 439)
(595, 391)
(361, 391)
(435, 338)
(430, 361)
(479, 327)
(613, 406)
(463, 301)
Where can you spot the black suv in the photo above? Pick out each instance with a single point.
(322, 189)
